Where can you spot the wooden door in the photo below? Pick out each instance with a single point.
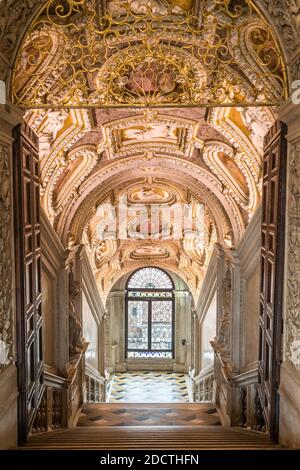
(272, 277)
(28, 276)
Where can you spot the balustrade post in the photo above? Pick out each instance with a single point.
(49, 408)
(104, 392)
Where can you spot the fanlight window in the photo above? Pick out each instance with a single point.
(150, 278)
(150, 315)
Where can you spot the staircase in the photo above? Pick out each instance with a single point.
(151, 438)
(128, 426)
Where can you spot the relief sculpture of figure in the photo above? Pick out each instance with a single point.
(76, 342)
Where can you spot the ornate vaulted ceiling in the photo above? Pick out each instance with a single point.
(92, 157)
(123, 53)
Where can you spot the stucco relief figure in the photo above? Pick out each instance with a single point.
(4, 189)
(55, 122)
(150, 251)
(235, 171)
(295, 186)
(50, 129)
(13, 15)
(222, 341)
(256, 125)
(295, 353)
(76, 342)
(152, 78)
(150, 132)
(150, 194)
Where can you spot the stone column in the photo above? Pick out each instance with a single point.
(115, 341)
(63, 319)
(196, 340)
(236, 320)
(101, 354)
(9, 118)
(183, 331)
(289, 432)
(78, 277)
(189, 325)
(106, 333)
(220, 274)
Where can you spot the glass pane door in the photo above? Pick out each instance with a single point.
(161, 325)
(138, 337)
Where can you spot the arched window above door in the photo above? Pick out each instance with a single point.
(150, 314)
(150, 278)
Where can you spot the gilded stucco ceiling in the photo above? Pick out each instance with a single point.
(123, 53)
(91, 158)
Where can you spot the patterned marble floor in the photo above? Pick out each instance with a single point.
(149, 387)
(174, 414)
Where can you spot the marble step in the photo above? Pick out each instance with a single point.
(151, 438)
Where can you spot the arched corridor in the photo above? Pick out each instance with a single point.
(149, 231)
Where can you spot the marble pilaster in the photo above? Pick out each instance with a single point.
(289, 434)
(9, 118)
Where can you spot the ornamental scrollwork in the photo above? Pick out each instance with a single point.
(152, 55)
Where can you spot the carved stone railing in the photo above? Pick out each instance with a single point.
(237, 396)
(96, 386)
(247, 403)
(204, 386)
(52, 412)
(222, 379)
(75, 373)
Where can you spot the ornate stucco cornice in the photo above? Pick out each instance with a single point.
(15, 17)
(285, 17)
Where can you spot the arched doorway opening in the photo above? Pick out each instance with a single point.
(149, 343)
(149, 328)
(150, 314)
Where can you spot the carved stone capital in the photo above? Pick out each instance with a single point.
(10, 116)
(289, 113)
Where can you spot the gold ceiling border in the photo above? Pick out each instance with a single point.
(74, 55)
